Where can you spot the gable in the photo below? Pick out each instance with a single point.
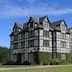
(63, 26)
(15, 26)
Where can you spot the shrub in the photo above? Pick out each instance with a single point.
(54, 62)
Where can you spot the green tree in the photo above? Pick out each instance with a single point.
(4, 55)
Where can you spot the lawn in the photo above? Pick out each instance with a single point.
(46, 69)
(10, 66)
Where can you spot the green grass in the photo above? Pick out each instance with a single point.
(10, 66)
(47, 69)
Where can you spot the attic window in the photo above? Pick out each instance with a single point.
(63, 27)
(31, 24)
(45, 24)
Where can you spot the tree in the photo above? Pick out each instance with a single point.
(4, 55)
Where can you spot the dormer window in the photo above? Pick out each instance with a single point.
(31, 24)
(45, 24)
(63, 27)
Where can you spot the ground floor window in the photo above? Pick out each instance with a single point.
(46, 43)
(63, 56)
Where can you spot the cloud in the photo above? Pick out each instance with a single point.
(11, 11)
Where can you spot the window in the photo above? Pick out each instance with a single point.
(46, 43)
(45, 33)
(35, 42)
(31, 24)
(63, 44)
(63, 56)
(30, 43)
(36, 32)
(31, 34)
(71, 40)
(15, 46)
(63, 36)
(22, 44)
(63, 27)
(15, 37)
(22, 36)
(45, 24)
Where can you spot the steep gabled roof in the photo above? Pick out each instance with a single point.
(18, 25)
(35, 20)
(42, 18)
(57, 23)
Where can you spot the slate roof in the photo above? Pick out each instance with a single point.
(36, 20)
(57, 23)
(53, 26)
(42, 18)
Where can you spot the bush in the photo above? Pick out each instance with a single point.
(54, 62)
(45, 63)
(26, 63)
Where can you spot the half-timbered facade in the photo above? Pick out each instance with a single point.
(39, 37)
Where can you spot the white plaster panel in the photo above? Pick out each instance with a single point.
(50, 34)
(41, 32)
(36, 32)
(45, 49)
(50, 42)
(58, 44)
(63, 50)
(41, 42)
(26, 35)
(63, 30)
(19, 36)
(35, 42)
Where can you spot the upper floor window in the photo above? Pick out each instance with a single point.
(71, 40)
(46, 43)
(45, 33)
(15, 37)
(15, 46)
(31, 24)
(22, 36)
(63, 44)
(22, 44)
(31, 43)
(63, 36)
(45, 24)
(31, 34)
(63, 27)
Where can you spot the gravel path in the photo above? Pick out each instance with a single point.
(33, 67)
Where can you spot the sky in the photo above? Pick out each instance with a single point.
(19, 11)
